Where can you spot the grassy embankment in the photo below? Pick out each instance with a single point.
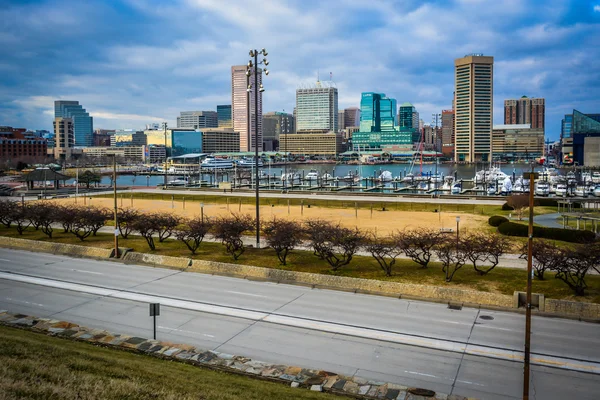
(35, 366)
(500, 280)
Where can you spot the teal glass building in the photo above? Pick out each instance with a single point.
(377, 129)
(83, 123)
(224, 116)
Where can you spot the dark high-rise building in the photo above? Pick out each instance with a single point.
(525, 111)
(224, 116)
(83, 124)
(448, 132)
(275, 124)
(351, 117)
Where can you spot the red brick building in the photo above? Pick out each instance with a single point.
(18, 145)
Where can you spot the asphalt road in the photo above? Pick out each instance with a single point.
(464, 352)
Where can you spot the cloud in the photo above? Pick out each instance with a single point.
(597, 8)
(159, 58)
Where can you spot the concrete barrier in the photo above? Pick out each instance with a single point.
(157, 260)
(356, 284)
(573, 308)
(55, 248)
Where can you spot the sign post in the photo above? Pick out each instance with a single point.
(154, 312)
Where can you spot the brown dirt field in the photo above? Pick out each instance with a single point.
(382, 222)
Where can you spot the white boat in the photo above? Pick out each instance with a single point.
(409, 178)
(597, 191)
(313, 175)
(177, 182)
(249, 163)
(491, 190)
(489, 175)
(561, 190)
(386, 176)
(506, 187)
(542, 189)
(436, 178)
(580, 191)
(596, 177)
(327, 177)
(216, 163)
(586, 178)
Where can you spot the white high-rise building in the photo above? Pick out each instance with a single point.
(317, 108)
(197, 119)
(243, 108)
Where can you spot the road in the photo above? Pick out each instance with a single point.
(407, 342)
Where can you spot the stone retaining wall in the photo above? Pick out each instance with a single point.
(356, 284)
(315, 380)
(158, 260)
(570, 308)
(55, 248)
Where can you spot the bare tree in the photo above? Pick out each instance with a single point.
(483, 248)
(193, 231)
(168, 223)
(147, 227)
(283, 236)
(20, 219)
(519, 202)
(577, 263)
(451, 256)
(42, 216)
(66, 216)
(229, 231)
(384, 250)
(418, 244)
(125, 218)
(88, 221)
(318, 231)
(7, 208)
(546, 255)
(343, 243)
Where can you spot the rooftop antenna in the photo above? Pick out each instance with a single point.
(318, 76)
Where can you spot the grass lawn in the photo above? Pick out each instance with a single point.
(500, 280)
(36, 366)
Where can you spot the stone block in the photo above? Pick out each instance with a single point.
(364, 389)
(351, 387)
(316, 388)
(294, 384)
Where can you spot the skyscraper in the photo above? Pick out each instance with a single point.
(83, 124)
(317, 108)
(224, 116)
(274, 124)
(525, 111)
(243, 108)
(351, 117)
(474, 103)
(448, 132)
(64, 138)
(197, 119)
(377, 124)
(408, 118)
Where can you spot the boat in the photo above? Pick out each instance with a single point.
(456, 188)
(313, 175)
(586, 178)
(385, 176)
(542, 189)
(409, 178)
(327, 177)
(249, 163)
(596, 177)
(597, 191)
(491, 190)
(580, 191)
(177, 182)
(216, 163)
(561, 190)
(506, 187)
(489, 175)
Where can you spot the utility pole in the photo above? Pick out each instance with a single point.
(165, 130)
(115, 205)
(527, 357)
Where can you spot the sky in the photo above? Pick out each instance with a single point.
(133, 62)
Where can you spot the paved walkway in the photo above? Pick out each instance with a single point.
(548, 220)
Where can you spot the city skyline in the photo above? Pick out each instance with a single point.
(406, 50)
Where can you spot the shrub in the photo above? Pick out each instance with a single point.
(229, 231)
(497, 220)
(566, 235)
(7, 208)
(283, 236)
(126, 218)
(192, 232)
(384, 250)
(506, 207)
(418, 244)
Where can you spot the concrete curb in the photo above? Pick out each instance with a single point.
(54, 248)
(156, 260)
(316, 380)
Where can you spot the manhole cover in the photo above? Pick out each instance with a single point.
(422, 392)
(486, 317)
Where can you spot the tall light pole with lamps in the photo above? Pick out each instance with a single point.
(457, 244)
(252, 68)
(435, 118)
(165, 130)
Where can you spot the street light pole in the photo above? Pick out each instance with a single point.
(253, 68)
(457, 244)
(115, 205)
(165, 129)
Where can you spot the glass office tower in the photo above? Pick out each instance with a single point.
(83, 124)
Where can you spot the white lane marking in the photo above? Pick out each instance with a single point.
(4, 259)
(470, 383)
(24, 302)
(400, 338)
(182, 330)
(244, 294)
(87, 272)
(498, 328)
(419, 373)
